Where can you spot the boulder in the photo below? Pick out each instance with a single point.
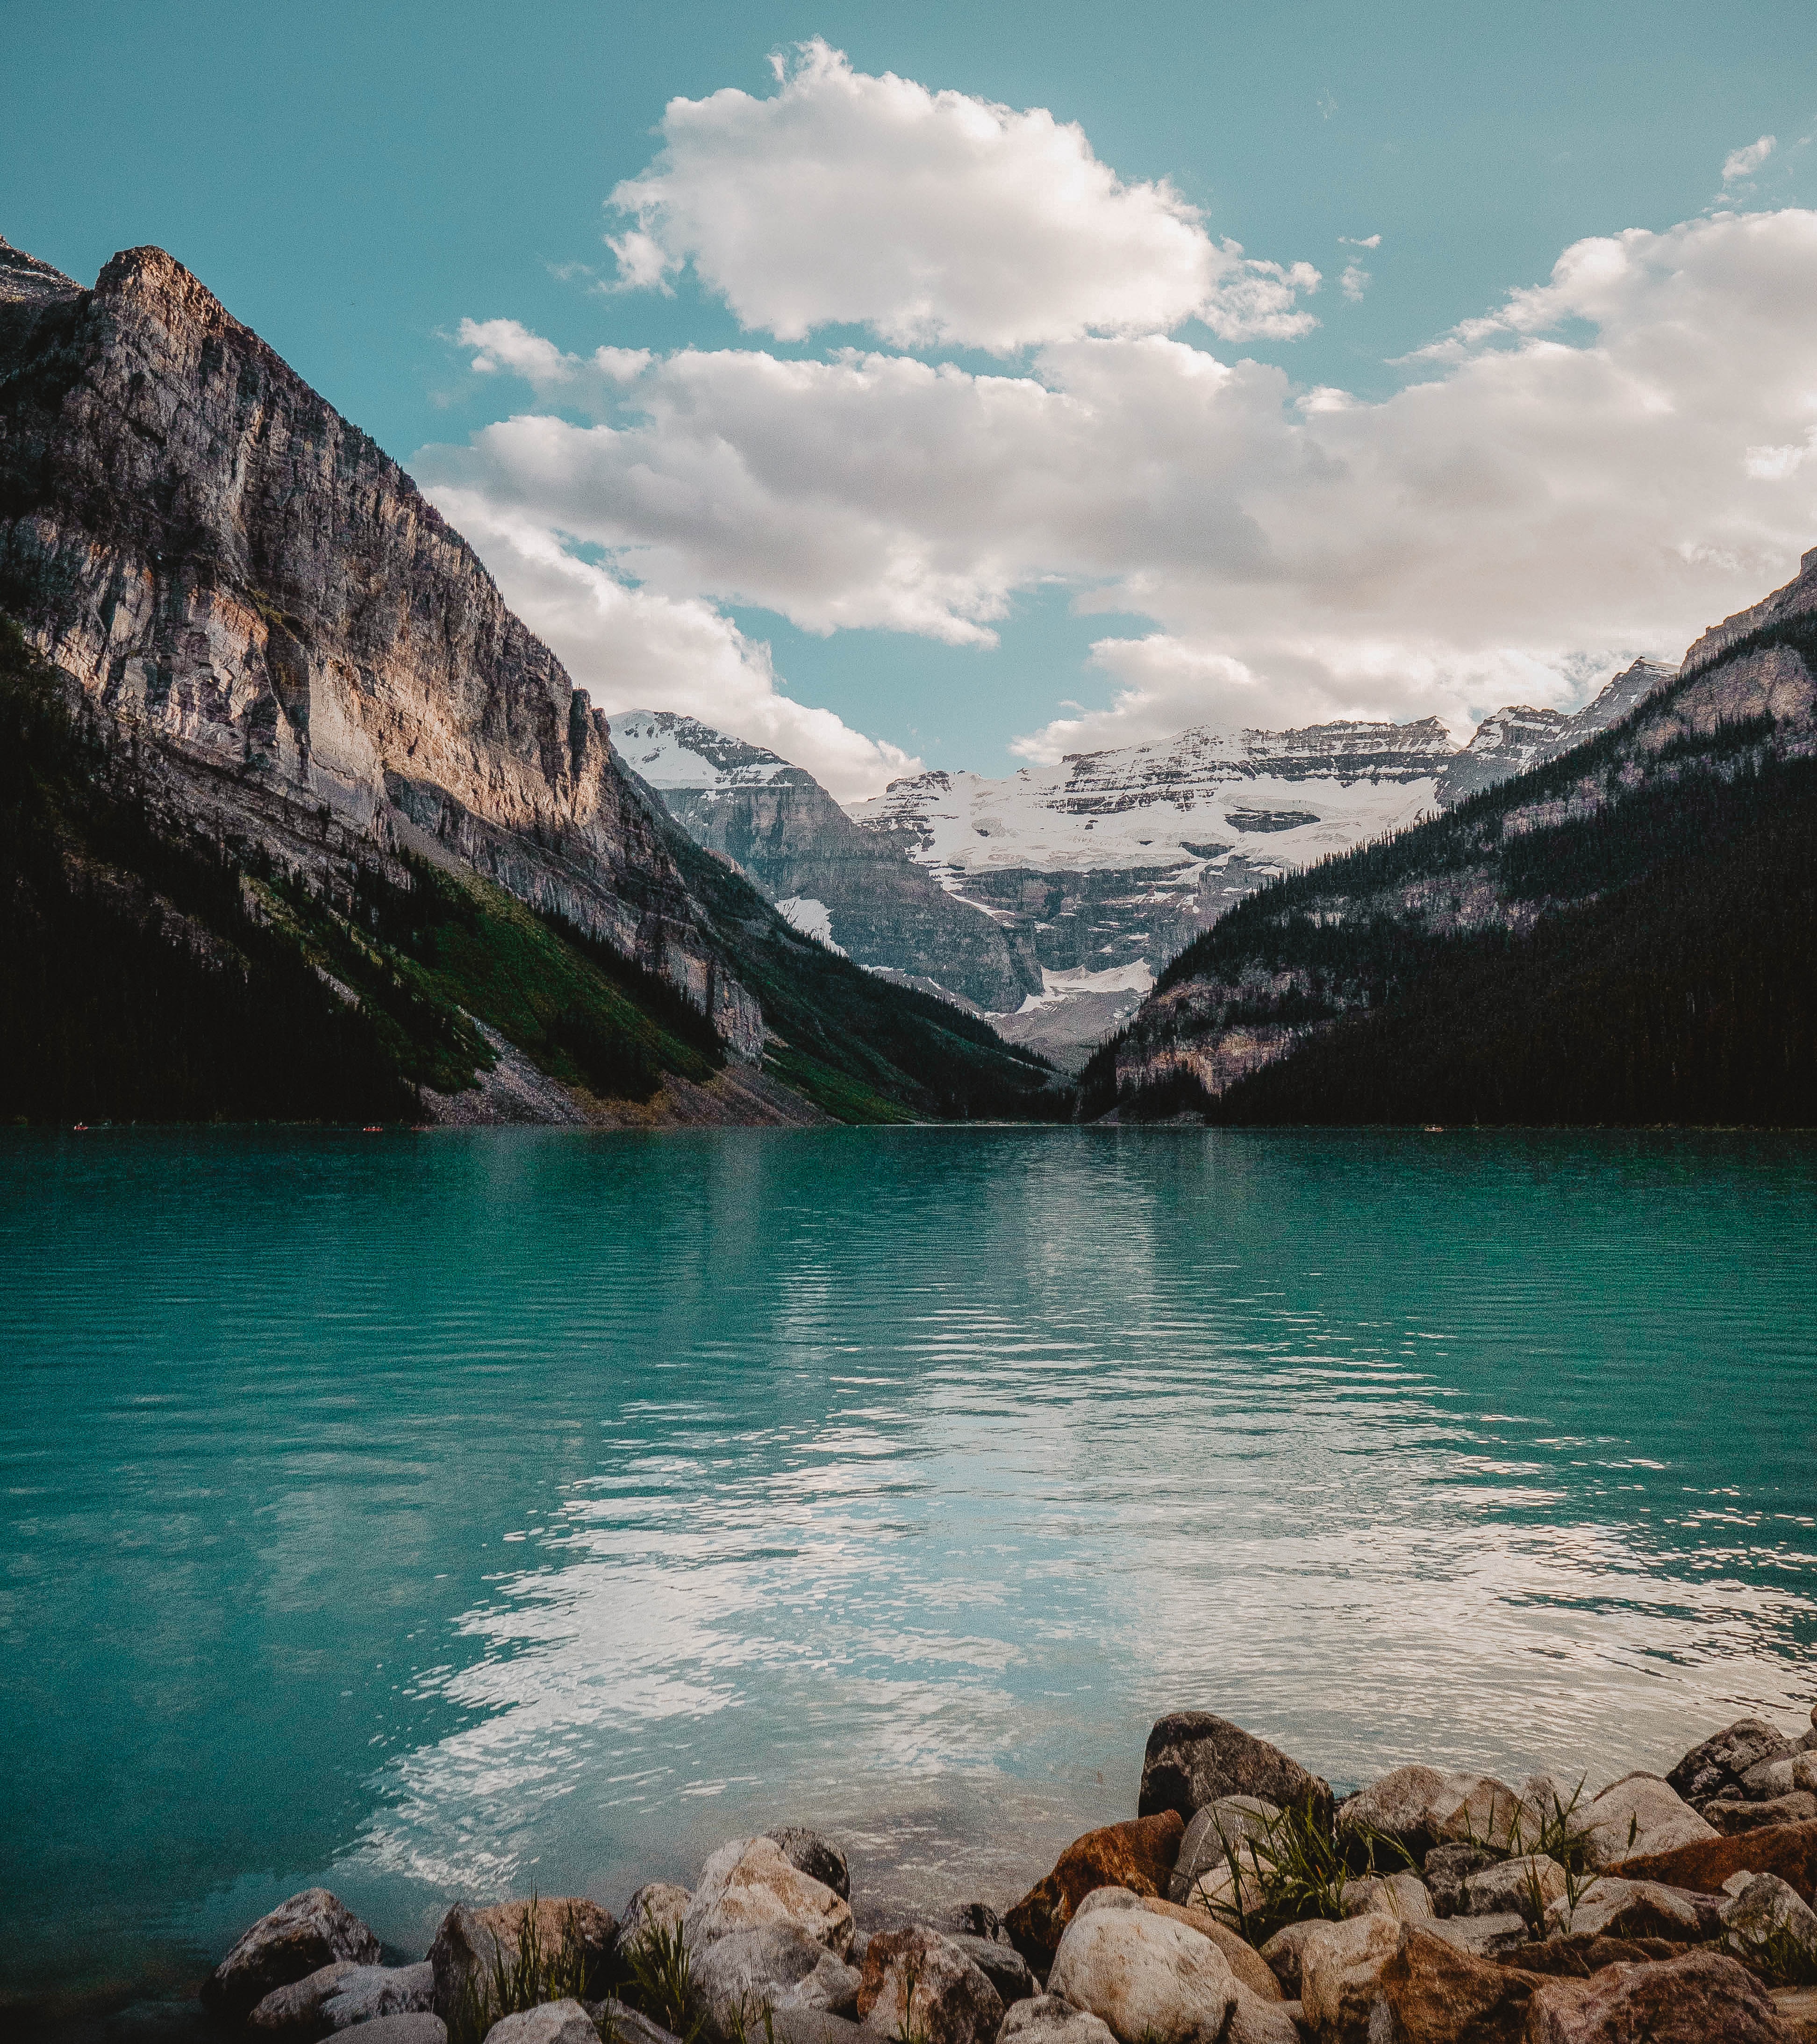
(1246, 1962)
(808, 2025)
(750, 1884)
(1048, 2019)
(819, 1858)
(1258, 2020)
(1527, 1887)
(1228, 1822)
(553, 2023)
(1804, 1771)
(1340, 1967)
(1416, 1808)
(1612, 1906)
(1767, 1912)
(295, 2011)
(1719, 1763)
(310, 1931)
(1000, 1964)
(472, 1943)
(1576, 1958)
(656, 1902)
(1487, 1937)
(917, 1984)
(978, 1919)
(1640, 1813)
(365, 1993)
(738, 1976)
(632, 2026)
(1282, 1954)
(1137, 1856)
(1731, 1819)
(1404, 1896)
(1151, 1979)
(1194, 1758)
(1789, 1850)
(1769, 1779)
(1438, 1993)
(1696, 1999)
(1446, 1870)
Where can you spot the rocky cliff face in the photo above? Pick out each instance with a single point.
(853, 889)
(1658, 751)
(302, 654)
(1508, 741)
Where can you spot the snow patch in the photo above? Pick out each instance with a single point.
(813, 919)
(1057, 987)
(669, 750)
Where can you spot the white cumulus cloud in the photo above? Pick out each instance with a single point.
(933, 218)
(1602, 466)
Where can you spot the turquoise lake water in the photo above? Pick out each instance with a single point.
(474, 1513)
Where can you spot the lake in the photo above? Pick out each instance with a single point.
(470, 1513)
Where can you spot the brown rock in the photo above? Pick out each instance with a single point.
(1194, 1757)
(1440, 1994)
(1576, 1958)
(915, 1983)
(310, 1931)
(1699, 1998)
(469, 1943)
(1733, 1818)
(1137, 1856)
(1789, 1850)
(1718, 1763)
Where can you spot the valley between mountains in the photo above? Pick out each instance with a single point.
(297, 820)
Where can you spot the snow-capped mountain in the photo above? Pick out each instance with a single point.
(1052, 897)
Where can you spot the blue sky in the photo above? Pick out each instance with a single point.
(354, 181)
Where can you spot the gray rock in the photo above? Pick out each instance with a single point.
(1404, 1896)
(1804, 1769)
(295, 2010)
(1193, 1757)
(1640, 1813)
(1414, 1808)
(1768, 1778)
(1732, 1818)
(656, 1902)
(1718, 1764)
(1228, 1821)
(413, 2028)
(813, 2026)
(1049, 2019)
(1611, 1908)
(1283, 1953)
(738, 1976)
(310, 1931)
(1000, 1964)
(1526, 1887)
(1340, 1967)
(365, 1993)
(1486, 1937)
(1766, 1909)
(629, 2026)
(819, 1858)
(471, 1943)
(978, 1919)
(1446, 1870)
(916, 1981)
(554, 2022)
(750, 1883)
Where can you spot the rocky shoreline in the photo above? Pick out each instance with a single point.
(1244, 1904)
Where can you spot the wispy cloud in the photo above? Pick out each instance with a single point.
(1365, 241)
(1354, 281)
(1744, 162)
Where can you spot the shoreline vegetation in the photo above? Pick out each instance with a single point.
(1245, 1902)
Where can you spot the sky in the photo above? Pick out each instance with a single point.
(966, 385)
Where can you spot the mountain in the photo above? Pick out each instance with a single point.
(849, 888)
(282, 761)
(1508, 741)
(1624, 933)
(1099, 870)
